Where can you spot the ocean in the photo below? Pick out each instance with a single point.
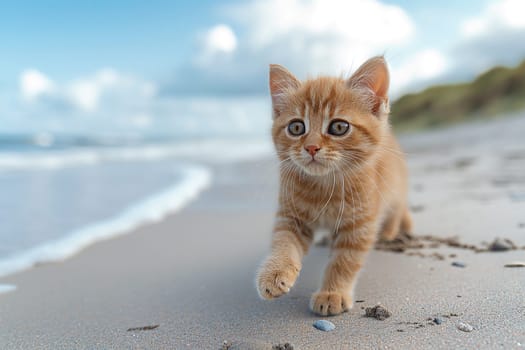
(61, 194)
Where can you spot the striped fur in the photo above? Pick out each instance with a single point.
(356, 187)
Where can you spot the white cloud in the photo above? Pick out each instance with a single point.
(216, 44)
(84, 94)
(492, 37)
(221, 38)
(353, 21)
(87, 94)
(421, 66)
(34, 84)
(323, 35)
(505, 14)
(307, 36)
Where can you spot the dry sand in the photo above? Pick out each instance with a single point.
(192, 274)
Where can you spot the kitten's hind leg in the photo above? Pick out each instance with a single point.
(406, 222)
(391, 226)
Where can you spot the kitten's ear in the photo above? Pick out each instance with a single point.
(372, 78)
(281, 83)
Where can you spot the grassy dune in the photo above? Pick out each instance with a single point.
(496, 92)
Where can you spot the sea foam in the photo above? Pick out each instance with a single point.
(151, 209)
(213, 151)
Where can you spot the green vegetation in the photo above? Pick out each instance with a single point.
(496, 92)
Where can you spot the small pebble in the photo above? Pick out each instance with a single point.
(499, 245)
(515, 264)
(437, 320)
(458, 264)
(465, 327)
(378, 312)
(285, 346)
(324, 325)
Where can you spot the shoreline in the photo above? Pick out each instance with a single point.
(153, 208)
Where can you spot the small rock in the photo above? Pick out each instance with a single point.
(500, 245)
(324, 325)
(458, 264)
(285, 346)
(378, 312)
(465, 327)
(437, 320)
(515, 264)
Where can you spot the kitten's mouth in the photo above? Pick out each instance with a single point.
(315, 167)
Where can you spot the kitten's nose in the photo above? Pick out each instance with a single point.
(312, 149)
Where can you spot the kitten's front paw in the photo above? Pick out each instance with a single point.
(326, 303)
(276, 278)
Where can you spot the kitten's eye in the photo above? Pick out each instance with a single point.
(296, 128)
(338, 128)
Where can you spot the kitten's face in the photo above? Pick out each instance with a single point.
(323, 126)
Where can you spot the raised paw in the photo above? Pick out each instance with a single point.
(275, 279)
(326, 303)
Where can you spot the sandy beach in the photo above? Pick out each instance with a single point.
(193, 273)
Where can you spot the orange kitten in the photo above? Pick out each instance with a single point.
(341, 169)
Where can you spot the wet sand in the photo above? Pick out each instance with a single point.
(193, 273)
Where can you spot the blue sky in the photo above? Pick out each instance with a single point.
(149, 38)
(86, 59)
(68, 38)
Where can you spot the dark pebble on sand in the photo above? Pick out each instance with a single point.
(285, 346)
(324, 325)
(458, 264)
(501, 245)
(378, 312)
(437, 320)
